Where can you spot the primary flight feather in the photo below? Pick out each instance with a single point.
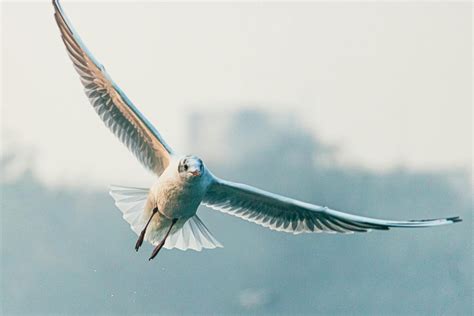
(165, 214)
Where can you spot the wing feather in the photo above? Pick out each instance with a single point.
(280, 213)
(111, 104)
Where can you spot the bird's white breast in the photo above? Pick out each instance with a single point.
(175, 196)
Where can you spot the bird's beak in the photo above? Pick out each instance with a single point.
(196, 173)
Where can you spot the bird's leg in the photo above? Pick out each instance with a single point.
(142, 234)
(160, 245)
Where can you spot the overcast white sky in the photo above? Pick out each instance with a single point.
(389, 83)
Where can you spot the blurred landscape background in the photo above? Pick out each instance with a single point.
(363, 107)
(69, 251)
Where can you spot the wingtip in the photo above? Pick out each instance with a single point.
(58, 9)
(455, 219)
(55, 4)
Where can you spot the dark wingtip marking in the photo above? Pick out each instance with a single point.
(454, 219)
(56, 4)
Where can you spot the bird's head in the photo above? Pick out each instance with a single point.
(190, 167)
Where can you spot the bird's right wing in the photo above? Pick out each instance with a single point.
(110, 102)
(288, 215)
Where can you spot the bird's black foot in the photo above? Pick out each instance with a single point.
(156, 250)
(142, 234)
(140, 240)
(162, 243)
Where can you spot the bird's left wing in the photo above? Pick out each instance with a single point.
(288, 215)
(114, 108)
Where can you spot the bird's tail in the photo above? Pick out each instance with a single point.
(192, 234)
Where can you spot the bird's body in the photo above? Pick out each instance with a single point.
(165, 215)
(176, 197)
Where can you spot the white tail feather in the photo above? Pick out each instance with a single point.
(131, 201)
(192, 235)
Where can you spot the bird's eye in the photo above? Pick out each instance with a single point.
(185, 167)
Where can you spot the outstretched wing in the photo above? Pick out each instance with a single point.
(288, 215)
(114, 108)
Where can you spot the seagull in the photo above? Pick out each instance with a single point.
(165, 214)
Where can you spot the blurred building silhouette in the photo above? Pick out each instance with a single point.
(67, 251)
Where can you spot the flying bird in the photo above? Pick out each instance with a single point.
(165, 214)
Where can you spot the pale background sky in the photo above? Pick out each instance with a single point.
(388, 84)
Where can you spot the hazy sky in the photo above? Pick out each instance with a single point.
(389, 84)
